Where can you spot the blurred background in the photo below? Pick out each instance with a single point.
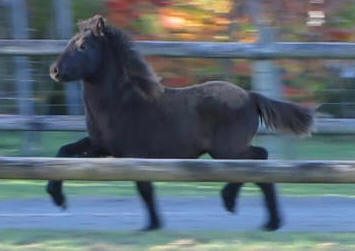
(328, 85)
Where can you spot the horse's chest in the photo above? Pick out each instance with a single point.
(98, 126)
(115, 133)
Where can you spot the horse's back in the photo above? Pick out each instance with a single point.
(225, 92)
(214, 93)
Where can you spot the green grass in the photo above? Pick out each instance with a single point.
(28, 189)
(317, 147)
(172, 240)
(44, 143)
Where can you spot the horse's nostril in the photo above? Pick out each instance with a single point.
(55, 70)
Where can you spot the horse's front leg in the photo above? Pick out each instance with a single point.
(146, 191)
(76, 149)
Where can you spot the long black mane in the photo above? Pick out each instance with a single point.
(129, 62)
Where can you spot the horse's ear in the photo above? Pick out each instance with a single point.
(100, 26)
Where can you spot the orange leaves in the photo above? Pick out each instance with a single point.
(339, 34)
(172, 18)
(177, 20)
(121, 11)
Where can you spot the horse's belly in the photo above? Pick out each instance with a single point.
(151, 139)
(154, 145)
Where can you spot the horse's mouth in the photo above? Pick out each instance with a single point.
(54, 76)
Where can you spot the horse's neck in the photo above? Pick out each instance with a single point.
(111, 87)
(98, 97)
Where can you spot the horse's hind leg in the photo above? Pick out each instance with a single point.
(146, 191)
(230, 191)
(54, 187)
(269, 192)
(274, 221)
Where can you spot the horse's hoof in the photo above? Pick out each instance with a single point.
(59, 200)
(272, 225)
(57, 195)
(228, 201)
(63, 206)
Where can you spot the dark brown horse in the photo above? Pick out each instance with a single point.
(130, 114)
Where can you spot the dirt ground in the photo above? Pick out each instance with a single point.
(325, 213)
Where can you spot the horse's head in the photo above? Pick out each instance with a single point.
(83, 55)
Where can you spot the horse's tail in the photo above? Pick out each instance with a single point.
(283, 116)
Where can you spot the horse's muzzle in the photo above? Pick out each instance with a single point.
(54, 72)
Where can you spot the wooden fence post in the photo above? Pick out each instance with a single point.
(64, 28)
(266, 80)
(22, 67)
(266, 76)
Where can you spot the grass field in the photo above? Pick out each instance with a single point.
(20, 188)
(172, 240)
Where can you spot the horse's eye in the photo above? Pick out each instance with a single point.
(82, 47)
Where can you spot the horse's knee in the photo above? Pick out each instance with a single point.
(260, 153)
(64, 151)
(75, 149)
(70, 150)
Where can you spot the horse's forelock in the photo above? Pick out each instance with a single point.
(90, 23)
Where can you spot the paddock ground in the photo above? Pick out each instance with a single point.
(316, 213)
(192, 223)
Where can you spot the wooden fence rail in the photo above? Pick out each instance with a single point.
(178, 170)
(77, 123)
(296, 50)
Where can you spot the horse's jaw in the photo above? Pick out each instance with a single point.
(63, 79)
(54, 77)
